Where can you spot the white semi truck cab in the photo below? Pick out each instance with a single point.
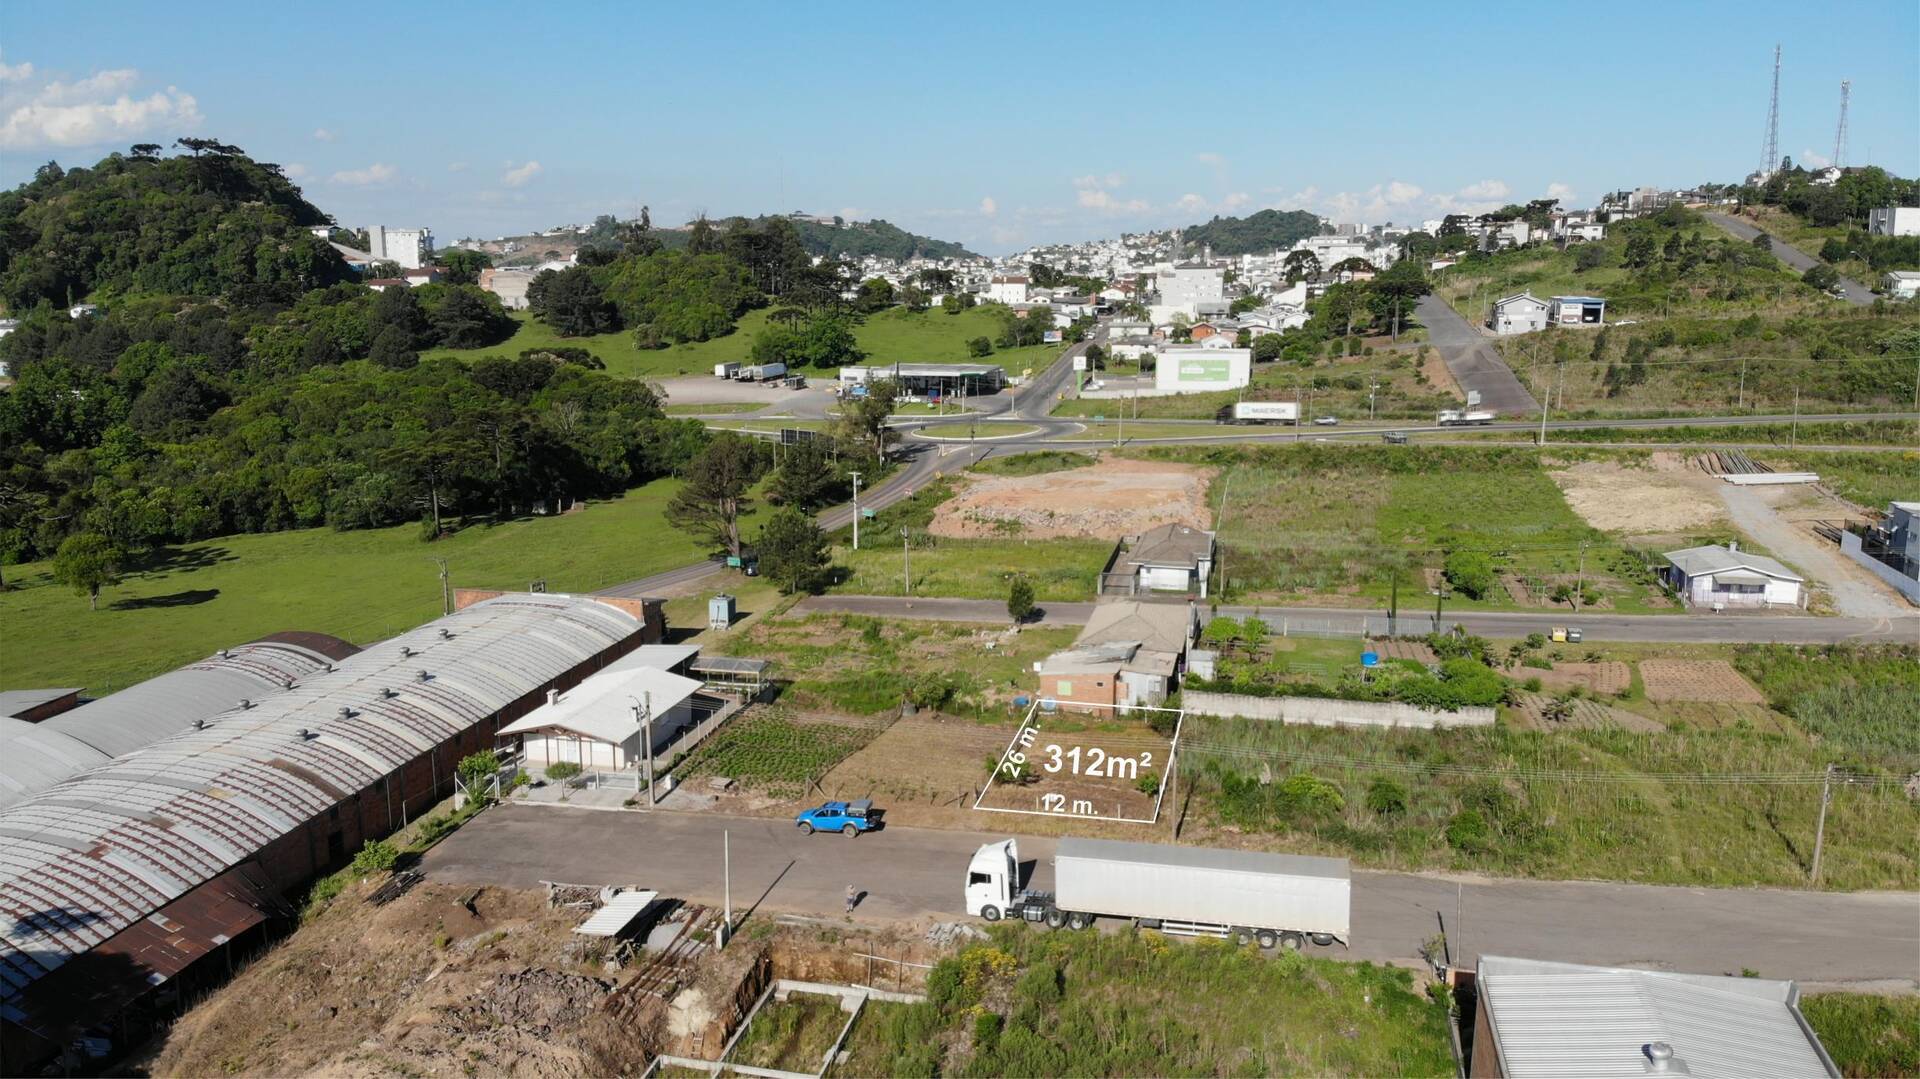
(1279, 900)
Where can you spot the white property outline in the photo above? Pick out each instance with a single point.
(1169, 772)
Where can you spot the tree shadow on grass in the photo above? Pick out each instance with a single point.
(172, 599)
(163, 560)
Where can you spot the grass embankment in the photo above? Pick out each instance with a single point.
(977, 431)
(1137, 1004)
(1867, 1035)
(189, 601)
(888, 336)
(1036, 463)
(1332, 523)
(714, 408)
(1058, 569)
(1869, 480)
(1892, 433)
(1327, 387)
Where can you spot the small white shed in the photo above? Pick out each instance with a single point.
(1722, 577)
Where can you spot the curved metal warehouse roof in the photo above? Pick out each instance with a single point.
(142, 714)
(89, 857)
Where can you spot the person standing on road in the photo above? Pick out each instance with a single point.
(851, 896)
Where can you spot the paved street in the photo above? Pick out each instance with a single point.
(1416, 618)
(1472, 359)
(910, 873)
(1852, 291)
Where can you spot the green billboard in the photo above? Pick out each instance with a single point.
(1205, 370)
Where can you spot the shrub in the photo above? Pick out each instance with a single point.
(1039, 985)
(478, 769)
(1468, 833)
(378, 856)
(1470, 573)
(1310, 795)
(1020, 600)
(1386, 798)
(986, 1031)
(1149, 784)
(560, 771)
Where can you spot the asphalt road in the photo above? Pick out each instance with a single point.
(910, 873)
(1850, 290)
(1418, 618)
(1472, 359)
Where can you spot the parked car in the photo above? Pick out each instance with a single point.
(1326, 421)
(1394, 438)
(847, 818)
(1565, 635)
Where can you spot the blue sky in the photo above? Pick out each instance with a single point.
(997, 126)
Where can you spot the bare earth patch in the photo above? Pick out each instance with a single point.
(1607, 678)
(1709, 680)
(1530, 713)
(1113, 498)
(1638, 501)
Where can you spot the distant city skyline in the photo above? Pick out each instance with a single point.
(997, 128)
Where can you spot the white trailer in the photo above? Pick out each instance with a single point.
(1266, 412)
(726, 370)
(1279, 900)
(1453, 417)
(763, 372)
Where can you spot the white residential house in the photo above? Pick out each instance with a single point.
(1894, 221)
(1170, 558)
(1902, 284)
(1719, 577)
(508, 284)
(600, 723)
(82, 310)
(1524, 313)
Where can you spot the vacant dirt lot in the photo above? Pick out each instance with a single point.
(1708, 680)
(424, 985)
(1637, 501)
(1113, 498)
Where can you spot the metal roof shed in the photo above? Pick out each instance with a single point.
(619, 912)
(1565, 1019)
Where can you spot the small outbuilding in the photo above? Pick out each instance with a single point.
(1170, 558)
(602, 723)
(1578, 311)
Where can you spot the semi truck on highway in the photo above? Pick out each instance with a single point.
(1453, 417)
(1278, 900)
(1266, 412)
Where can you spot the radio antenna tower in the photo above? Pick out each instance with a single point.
(1770, 156)
(1840, 136)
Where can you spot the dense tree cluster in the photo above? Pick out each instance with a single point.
(1845, 201)
(1256, 234)
(228, 398)
(210, 223)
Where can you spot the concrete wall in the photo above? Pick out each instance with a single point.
(1906, 586)
(1324, 712)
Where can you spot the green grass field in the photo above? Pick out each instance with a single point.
(1137, 1003)
(360, 585)
(897, 334)
(1328, 387)
(1868, 479)
(714, 408)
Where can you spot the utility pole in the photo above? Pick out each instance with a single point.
(1793, 432)
(1546, 400)
(726, 874)
(1820, 830)
(856, 510)
(1393, 605)
(906, 566)
(446, 593)
(1580, 576)
(1439, 602)
(1740, 402)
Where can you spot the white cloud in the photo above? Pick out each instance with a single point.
(376, 173)
(1103, 200)
(1485, 189)
(1190, 203)
(1810, 159)
(1210, 158)
(296, 171)
(1110, 180)
(518, 177)
(88, 112)
(457, 166)
(1235, 200)
(321, 134)
(1558, 190)
(988, 207)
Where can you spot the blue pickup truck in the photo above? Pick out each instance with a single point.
(847, 818)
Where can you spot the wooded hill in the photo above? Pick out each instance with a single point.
(1255, 234)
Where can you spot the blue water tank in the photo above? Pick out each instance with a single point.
(1021, 701)
(1369, 659)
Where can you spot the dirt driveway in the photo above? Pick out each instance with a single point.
(1775, 516)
